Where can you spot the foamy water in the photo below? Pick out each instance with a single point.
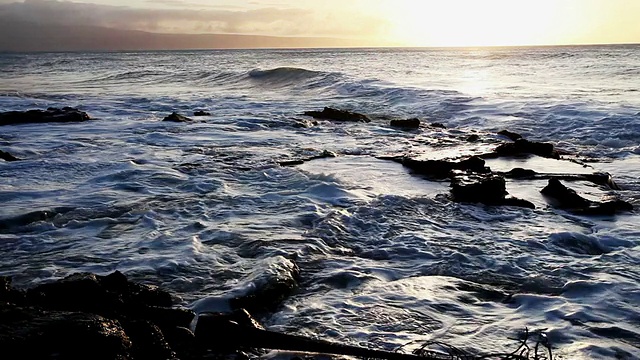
(205, 210)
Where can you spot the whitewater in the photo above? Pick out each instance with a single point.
(385, 257)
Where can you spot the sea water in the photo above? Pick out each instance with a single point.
(205, 210)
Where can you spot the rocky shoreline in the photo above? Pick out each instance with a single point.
(90, 316)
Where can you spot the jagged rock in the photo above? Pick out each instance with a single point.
(7, 157)
(201, 113)
(338, 115)
(438, 125)
(488, 189)
(66, 114)
(523, 146)
(31, 333)
(442, 168)
(604, 179)
(175, 117)
(406, 124)
(511, 135)
(566, 198)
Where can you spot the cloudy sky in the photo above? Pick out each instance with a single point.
(405, 22)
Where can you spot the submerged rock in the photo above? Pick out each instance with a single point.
(7, 157)
(201, 113)
(438, 125)
(523, 146)
(66, 114)
(568, 199)
(175, 117)
(338, 115)
(441, 169)
(406, 124)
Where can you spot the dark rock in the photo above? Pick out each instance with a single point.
(167, 318)
(175, 117)
(8, 294)
(323, 155)
(406, 124)
(182, 341)
(201, 113)
(66, 114)
(30, 333)
(270, 295)
(438, 125)
(478, 188)
(212, 329)
(473, 138)
(104, 295)
(522, 146)
(488, 189)
(26, 219)
(510, 135)
(7, 157)
(338, 115)
(520, 173)
(441, 169)
(147, 340)
(565, 198)
(601, 178)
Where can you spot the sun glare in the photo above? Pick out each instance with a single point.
(472, 22)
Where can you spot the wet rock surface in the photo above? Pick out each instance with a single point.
(51, 115)
(338, 115)
(175, 117)
(487, 188)
(201, 113)
(88, 316)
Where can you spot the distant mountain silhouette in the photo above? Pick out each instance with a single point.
(23, 36)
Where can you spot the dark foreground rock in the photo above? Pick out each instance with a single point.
(7, 157)
(93, 317)
(338, 115)
(175, 117)
(66, 114)
(406, 124)
(568, 199)
(488, 189)
(201, 113)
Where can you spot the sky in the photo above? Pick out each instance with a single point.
(375, 22)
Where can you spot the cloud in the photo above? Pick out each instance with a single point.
(271, 20)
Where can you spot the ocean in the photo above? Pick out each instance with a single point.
(385, 257)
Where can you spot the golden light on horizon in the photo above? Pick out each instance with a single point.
(509, 22)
